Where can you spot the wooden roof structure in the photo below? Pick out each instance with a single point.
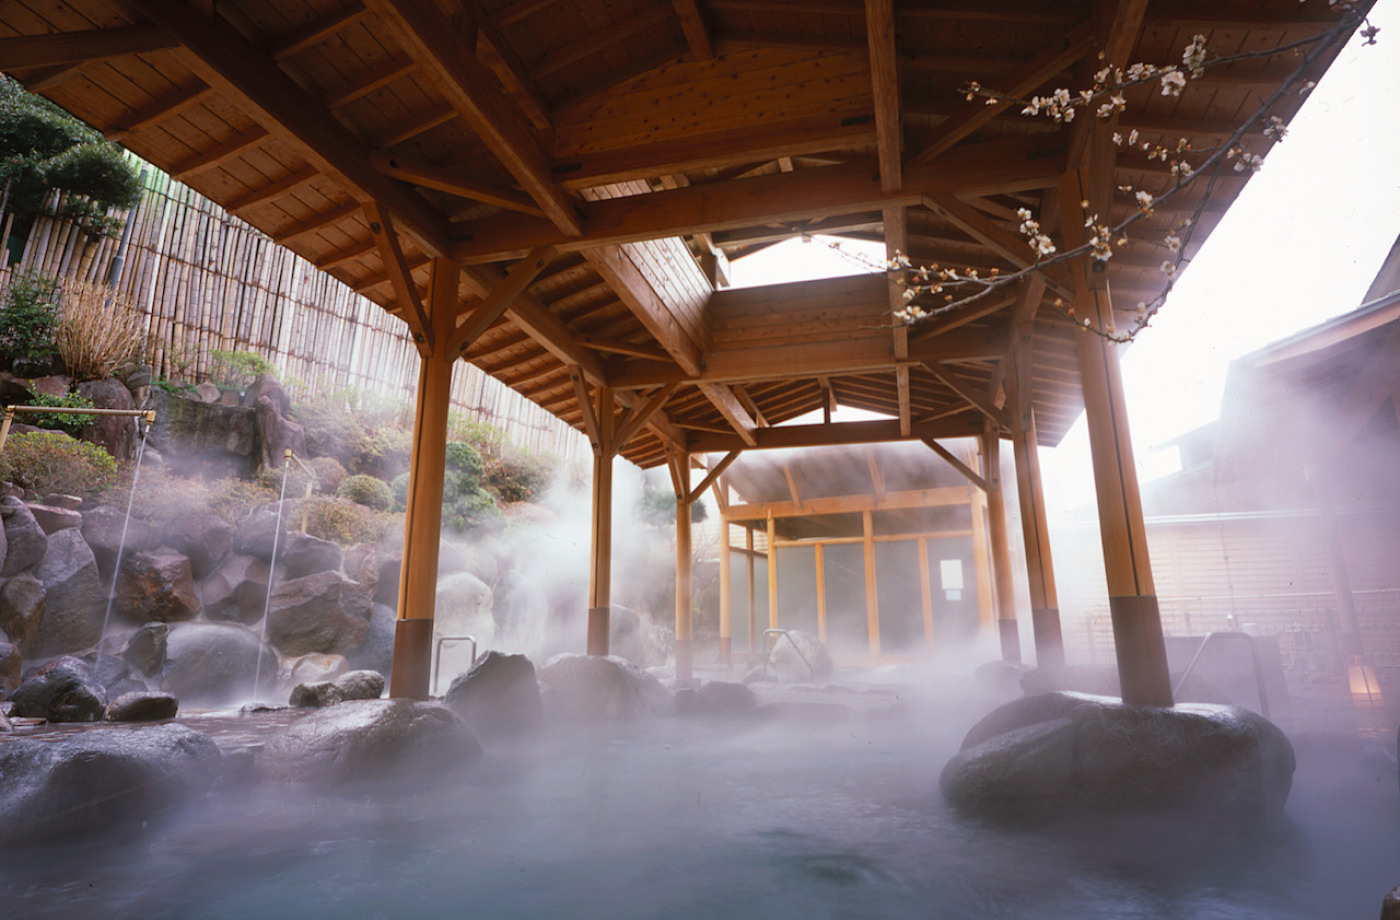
(592, 164)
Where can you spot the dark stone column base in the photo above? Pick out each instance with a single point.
(1141, 651)
(1010, 641)
(413, 658)
(1049, 642)
(598, 630)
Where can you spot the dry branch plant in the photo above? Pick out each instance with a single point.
(97, 330)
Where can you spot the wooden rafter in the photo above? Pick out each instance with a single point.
(960, 425)
(21, 52)
(653, 14)
(181, 101)
(712, 477)
(495, 304)
(723, 399)
(317, 32)
(509, 67)
(978, 402)
(884, 88)
(230, 150)
(452, 182)
(1004, 243)
(643, 413)
(272, 190)
(381, 225)
(614, 267)
(957, 464)
(697, 32)
(317, 223)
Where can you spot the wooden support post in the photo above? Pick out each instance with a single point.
(1035, 528)
(726, 584)
(981, 562)
(872, 595)
(1349, 634)
(821, 591)
(1132, 598)
(926, 593)
(753, 591)
(600, 571)
(1001, 547)
(685, 629)
(772, 574)
(413, 631)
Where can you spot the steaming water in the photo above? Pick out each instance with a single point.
(683, 820)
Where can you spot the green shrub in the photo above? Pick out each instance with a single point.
(520, 476)
(236, 370)
(344, 521)
(28, 313)
(464, 469)
(162, 496)
(68, 423)
(383, 452)
(49, 461)
(471, 511)
(398, 488)
(331, 432)
(235, 500)
(366, 490)
(298, 480)
(99, 177)
(329, 473)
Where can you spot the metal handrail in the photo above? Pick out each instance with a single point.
(148, 414)
(437, 656)
(785, 634)
(1254, 656)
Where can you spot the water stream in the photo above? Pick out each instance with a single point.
(271, 572)
(145, 426)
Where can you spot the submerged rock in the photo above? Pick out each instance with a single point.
(1072, 753)
(717, 699)
(101, 780)
(212, 664)
(594, 688)
(355, 685)
(64, 690)
(804, 658)
(499, 697)
(143, 706)
(370, 740)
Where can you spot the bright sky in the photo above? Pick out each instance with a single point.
(1301, 244)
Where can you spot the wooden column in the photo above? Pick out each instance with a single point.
(821, 591)
(726, 603)
(1035, 528)
(772, 574)
(600, 566)
(413, 630)
(926, 592)
(981, 562)
(753, 590)
(685, 628)
(872, 596)
(1001, 548)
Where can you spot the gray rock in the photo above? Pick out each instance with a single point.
(74, 602)
(22, 604)
(499, 697)
(63, 500)
(303, 554)
(208, 392)
(6, 726)
(237, 592)
(25, 541)
(157, 585)
(593, 688)
(1070, 753)
(114, 675)
(717, 699)
(117, 433)
(267, 385)
(64, 690)
(205, 538)
(207, 439)
(803, 659)
(146, 648)
(11, 661)
(316, 667)
(326, 612)
(139, 706)
(50, 384)
(138, 376)
(1390, 907)
(260, 534)
(463, 609)
(52, 519)
(103, 528)
(354, 685)
(377, 654)
(386, 586)
(214, 664)
(361, 562)
(100, 781)
(276, 434)
(370, 741)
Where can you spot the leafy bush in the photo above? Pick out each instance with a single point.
(299, 482)
(344, 521)
(98, 331)
(520, 476)
(331, 432)
(162, 496)
(98, 177)
(383, 452)
(464, 469)
(28, 312)
(236, 370)
(68, 423)
(329, 473)
(49, 461)
(470, 511)
(366, 490)
(398, 488)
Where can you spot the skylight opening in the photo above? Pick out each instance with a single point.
(808, 258)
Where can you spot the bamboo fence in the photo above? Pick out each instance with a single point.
(205, 281)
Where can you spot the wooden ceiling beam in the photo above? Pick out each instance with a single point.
(723, 399)
(182, 100)
(1003, 242)
(376, 79)
(451, 181)
(695, 28)
(22, 52)
(996, 416)
(1000, 166)
(619, 347)
(575, 51)
(884, 90)
(244, 73)
(508, 66)
(643, 413)
(494, 305)
(535, 319)
(230, 150)
(866, 432)
(426, 122)
(317, 223)
(425, 33)
(263, 194)
(732, 40)
(317, 32)
(341, 256)
(409, 300)
(617, 269)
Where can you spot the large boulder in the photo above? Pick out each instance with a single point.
(463, 609)
(800, 656)
(377, 654)
(146, 648)
(361, 562)
(499, 697)
(101, 780)
(74, 603)
(303, 554)
(276, 435)
(11, 661)
(594, 688)
(718, 699)
(204, 538)
(208, 439)
(1068, 753)
(267, 385)
(143, 706)
(354, 685)
(157, 585)
(261, 534)
(326, 612)
(53, 518)
(25, 540)
(108, 531)
(64, 690)
(317, 667)
(237, 592)
(214, 664)
(22, 605)
(117, 433)
(369, 741)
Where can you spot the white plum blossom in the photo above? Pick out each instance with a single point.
(1173, 82)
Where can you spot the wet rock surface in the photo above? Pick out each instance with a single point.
(303, 554)
(98, 781)
(370, 740)
(157, 585)
(22, 605)
(1067, 753)
(25, 540)
(103, 529)
(205, 539)
(499, 697)
(143, 706)
(74, 602)
(237, 592)
(211, 664)
(594, 688)
(64, 690)
(325, 612)
(800, 656)
(353, 685)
